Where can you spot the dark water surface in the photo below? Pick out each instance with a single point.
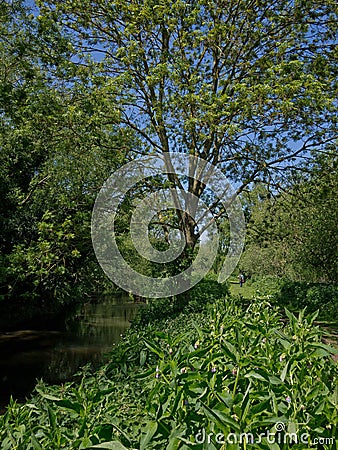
(55, 350)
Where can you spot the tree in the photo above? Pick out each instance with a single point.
(294, 234)
(311, 215)
(248, 86)
(55, 155)
(264, 252)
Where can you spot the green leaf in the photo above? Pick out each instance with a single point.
(83, 428)
(174, 438)
(275, 380)
(143, 375)
(177, 400)
(199, 353)
(285, 344)
(103, 393)
(221, 418)
(161, 335)
(154, 348)
(47, 396)
(226, 399)
(143, 357)
(290, 316)
(69, 405)
(35, 443)
(245, 403)
(313, 317)
(328, 348)
(292, 429)
(263, 406)
(148, 435)
(112, 445)
(51, 417)
(230, 351)
(178, 339)
(256, 375)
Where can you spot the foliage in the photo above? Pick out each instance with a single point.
(205, 292)
(298, 295)
(267, 285)
(250, 88)
(245, 86)
(226, 369)
(311, 214)
(293, 235)
(56, 151)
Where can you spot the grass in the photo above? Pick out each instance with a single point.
(246, 291)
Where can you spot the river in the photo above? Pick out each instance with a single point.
(55, 350)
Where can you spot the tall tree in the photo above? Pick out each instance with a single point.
(247, 85)
(294, 235)
(55, 153)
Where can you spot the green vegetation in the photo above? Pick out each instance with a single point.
(247, 86)
(321, 297)
(293, 234)
(87, 86)
(227, 369)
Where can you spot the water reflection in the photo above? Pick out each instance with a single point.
(55, 352)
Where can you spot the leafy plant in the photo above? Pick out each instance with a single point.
(227, 370)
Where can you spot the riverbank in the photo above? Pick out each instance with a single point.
(227, 369)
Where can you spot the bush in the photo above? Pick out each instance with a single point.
(205, 292)
(313, 296)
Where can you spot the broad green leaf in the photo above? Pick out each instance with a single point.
(148, 435)
(199, 353)
(256, 375)
(154, 348)
(263, 406)
(245, 403)
(143, 357)
(275, 380)
(285, 344)
(328, 348)
(143, 375)
(47, 396)
(103, 393)
(35, 443)
(230, 351)
(161, 335)
(226, 399)
(70, 405)
(221, 418)
(292, 429)
(290, 316)
(51, 417)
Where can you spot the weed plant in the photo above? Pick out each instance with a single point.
(222, 372)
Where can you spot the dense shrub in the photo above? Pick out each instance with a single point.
(322, 297)
(205, 292)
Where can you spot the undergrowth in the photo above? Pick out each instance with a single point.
(225, 371)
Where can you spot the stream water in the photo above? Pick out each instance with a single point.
(55, 350)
